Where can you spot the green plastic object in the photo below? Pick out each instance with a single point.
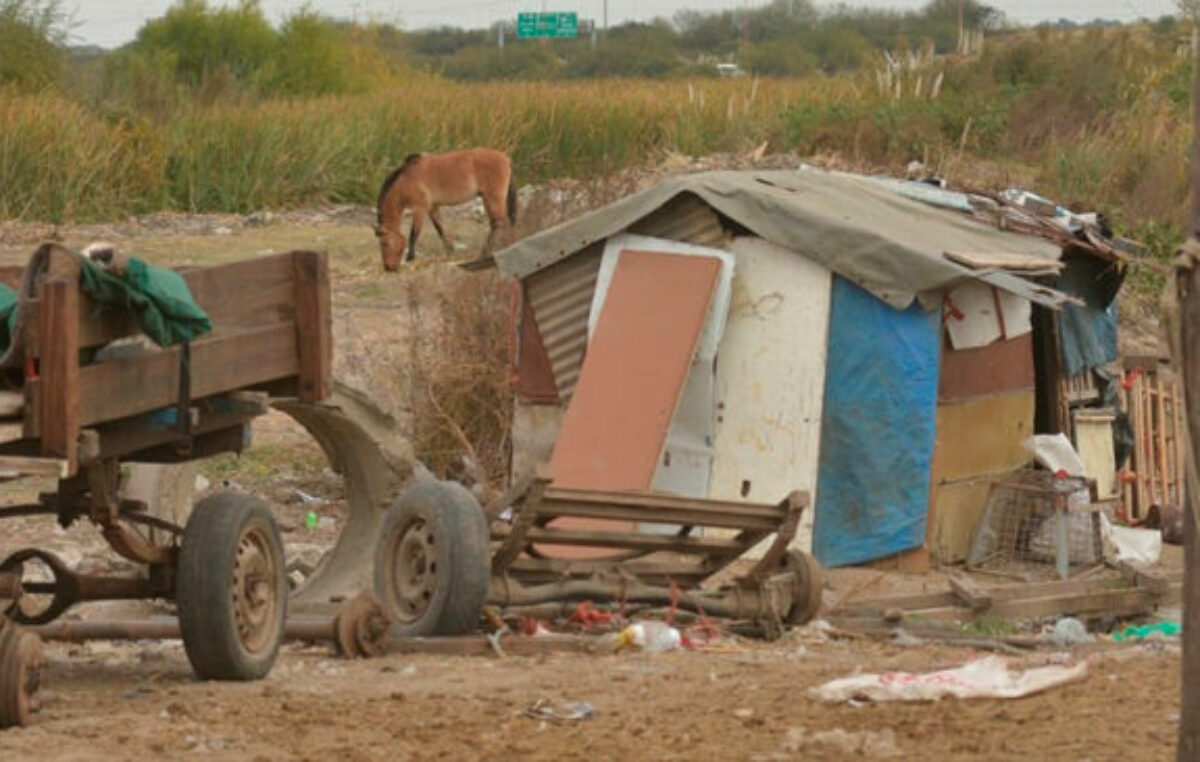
(311, 519)
(1166, 629)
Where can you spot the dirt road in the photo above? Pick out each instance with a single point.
(141, 702)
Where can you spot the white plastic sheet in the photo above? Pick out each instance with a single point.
(1137, 546)
(989, 677)
(1055, 453)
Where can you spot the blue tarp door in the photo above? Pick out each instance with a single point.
(878, 428)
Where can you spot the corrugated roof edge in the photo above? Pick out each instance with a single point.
(857, 227)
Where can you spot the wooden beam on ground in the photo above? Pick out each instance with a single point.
(971, 594)
(1036, 601)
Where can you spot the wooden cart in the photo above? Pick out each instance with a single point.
(77, 422)
(435, 568)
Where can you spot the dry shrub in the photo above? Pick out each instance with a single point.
(458, 373)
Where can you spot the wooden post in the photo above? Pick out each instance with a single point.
(314, 338)
(1182, 305)
(1161, 441)
(58, 369)
(1181, 453)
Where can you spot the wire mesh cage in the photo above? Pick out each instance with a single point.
(1036, 524)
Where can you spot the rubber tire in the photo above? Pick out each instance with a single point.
(203, 587)
(20, 668)
(810, 577)
(462, 558)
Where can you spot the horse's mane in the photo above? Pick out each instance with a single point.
(390, 181)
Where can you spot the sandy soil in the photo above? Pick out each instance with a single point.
(135, 702)
(746, 701)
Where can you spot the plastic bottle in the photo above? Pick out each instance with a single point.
(650, 636)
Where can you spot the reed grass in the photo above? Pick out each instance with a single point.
(1098, 120)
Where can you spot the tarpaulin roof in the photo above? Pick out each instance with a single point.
(858, 227)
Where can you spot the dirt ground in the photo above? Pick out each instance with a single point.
(141, 702)
(743, 700)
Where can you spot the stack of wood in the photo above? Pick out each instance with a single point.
(1154, 475)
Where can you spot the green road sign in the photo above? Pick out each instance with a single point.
(556, 25)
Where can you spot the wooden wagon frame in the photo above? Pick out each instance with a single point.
(75, 423)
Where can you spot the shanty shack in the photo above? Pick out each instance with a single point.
(887, 346)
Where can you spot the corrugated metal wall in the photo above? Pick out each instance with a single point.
(685, 218)
(561, 296)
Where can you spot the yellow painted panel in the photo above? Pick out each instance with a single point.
(978, 442)
(982, 436)
(957, 512)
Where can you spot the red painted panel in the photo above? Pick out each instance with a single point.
(1003, 366)
(637, 361)
(534, 376)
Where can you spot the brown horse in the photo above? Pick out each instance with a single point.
(427, 182)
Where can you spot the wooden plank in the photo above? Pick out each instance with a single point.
(96, 326)
(974, 596)
(1003, 366)
(54, 468)
(1003, 261)
(1139, 449)
(637, 362)
(541, 570)
(1120, 602)
(12, 404)
(314, 328)
(682, 516)
(245, 293)
(1177, 410)
(630, 540)
(963, 452)
(131, 386)
(1160, 432)
(58, 371)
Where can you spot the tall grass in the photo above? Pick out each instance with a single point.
(62, 161)
(1100, 119)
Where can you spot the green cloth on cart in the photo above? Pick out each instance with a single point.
(161, 299)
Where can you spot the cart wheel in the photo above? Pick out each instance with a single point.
(807, 588)
(431, 562)
(230, 588)
(20, 674)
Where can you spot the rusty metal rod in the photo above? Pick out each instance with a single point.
(733, 603)
(307, 628)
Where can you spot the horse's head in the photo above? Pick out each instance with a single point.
(391, 247)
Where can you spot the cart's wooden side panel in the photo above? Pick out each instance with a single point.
(58, 399)
(271, 323)
(248, 293)
(240, 294)
(314, 333)
(127, 387)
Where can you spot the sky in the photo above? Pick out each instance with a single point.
(110, 23)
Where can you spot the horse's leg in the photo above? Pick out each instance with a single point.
(418, 222)
(435, 216)
(493, 202)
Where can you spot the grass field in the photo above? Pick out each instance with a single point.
(1097, 119)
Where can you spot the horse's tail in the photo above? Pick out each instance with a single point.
(512, 199)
